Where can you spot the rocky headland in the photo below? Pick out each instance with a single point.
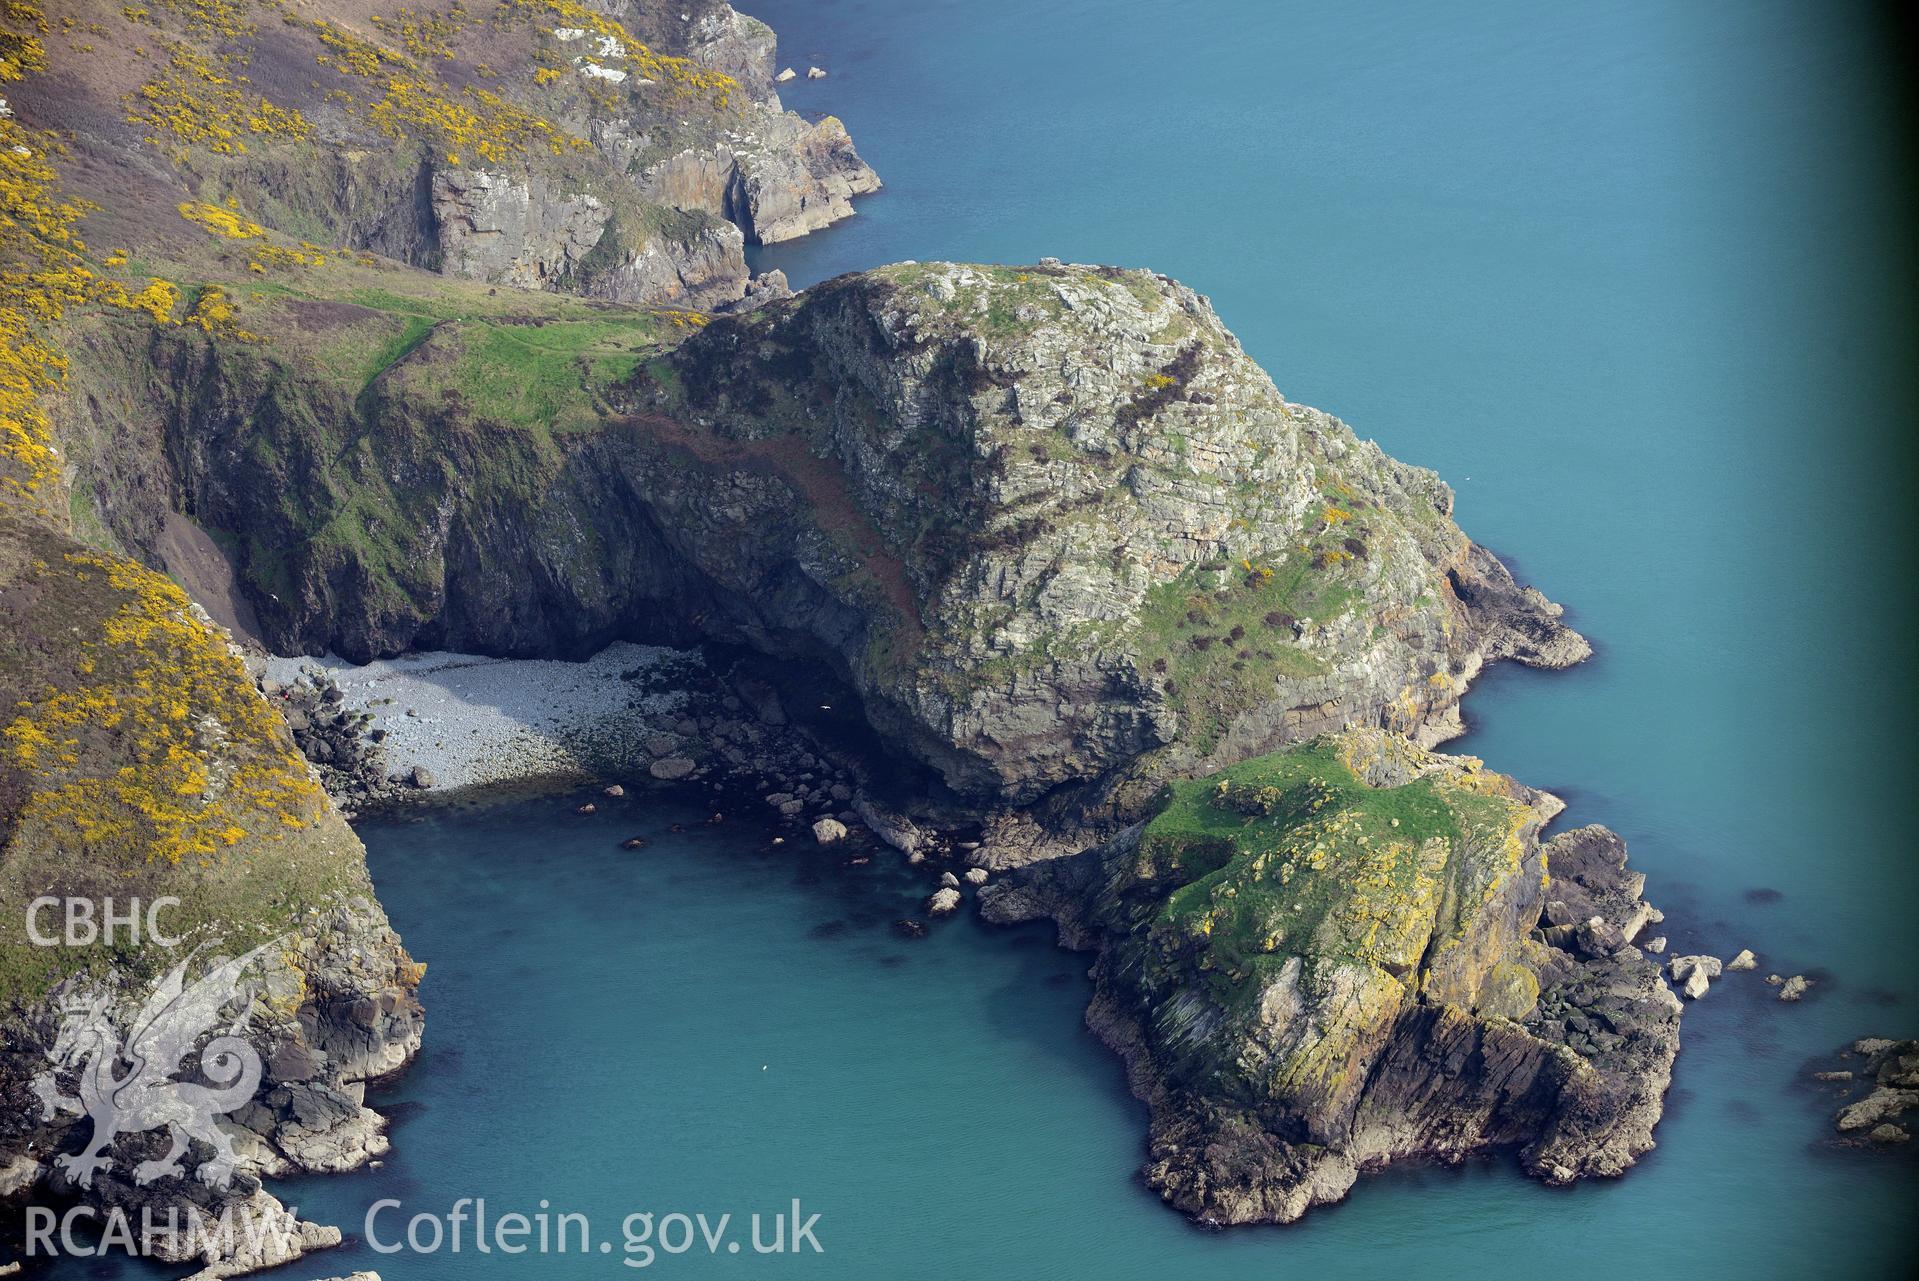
(434, 336)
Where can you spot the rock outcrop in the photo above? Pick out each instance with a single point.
(1889, 1079)
(780, 180)
(1323, 961)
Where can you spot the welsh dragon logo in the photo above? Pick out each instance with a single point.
(125, 1084)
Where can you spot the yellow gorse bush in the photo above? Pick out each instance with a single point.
(425, 35)
(195, 102)
(229, 225)
(414, 103)
(175, 700)
(21, 52)
(227, 18)
(38, 252)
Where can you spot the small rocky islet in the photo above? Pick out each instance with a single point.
(1135, 644)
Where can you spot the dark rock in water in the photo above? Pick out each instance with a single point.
(633, 843)
(910, 929)
(1891, 1080)
(1295, 1007)
(1763, 894)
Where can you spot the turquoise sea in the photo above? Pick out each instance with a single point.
(1638, 278)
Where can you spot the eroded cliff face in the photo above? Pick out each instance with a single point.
(1322, 961)
(1050, 523)
(625, 151)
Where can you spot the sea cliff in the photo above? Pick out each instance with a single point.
(434, 332)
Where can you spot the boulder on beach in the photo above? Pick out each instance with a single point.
(421, 777)
(671, 768)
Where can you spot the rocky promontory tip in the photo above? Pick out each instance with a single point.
(1340, 956)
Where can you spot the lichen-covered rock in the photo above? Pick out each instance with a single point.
(1328, 959)
(1101, 531)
